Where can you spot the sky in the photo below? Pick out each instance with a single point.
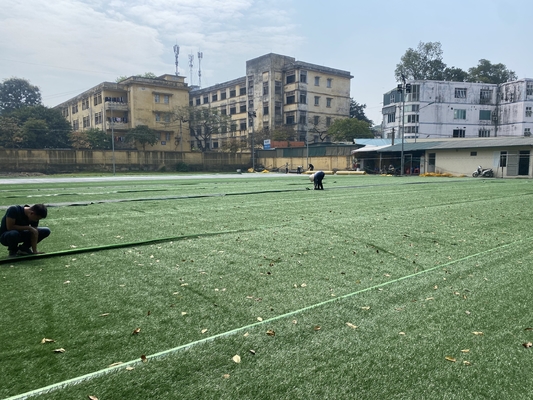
(68, 46)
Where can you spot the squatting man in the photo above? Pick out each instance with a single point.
(20, 231)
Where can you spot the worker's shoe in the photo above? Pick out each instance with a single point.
(24, 251)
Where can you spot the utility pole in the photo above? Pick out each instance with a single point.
(252, 115)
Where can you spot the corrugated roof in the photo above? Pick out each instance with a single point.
(460, 144)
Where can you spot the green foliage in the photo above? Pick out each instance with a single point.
(149, 75)
(182, 167)
(358, 111)
(42, 127)
(283, 133)
(16, 93)
(455, 74)
(94, 139)
(203, 122)
(423, 63)
(347, 129)
(10, 132)
(487, 72)
(143, 135)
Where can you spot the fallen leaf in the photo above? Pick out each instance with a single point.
(365, 308)
(225, 376)
(204, 331)
(115, 364)
(66, 282)
(104, 315)
(467, 363)
(91, 397)
(252, 352)
(450, 359)
(303, 285)
(351, 325)
(148, 312)
(45, 340)
(246, 334)
(143, 358)
(294, 321)
(136, 331)
(259, 319)
(317, 328)
(236, 358)
(401, 333)
(130, 368)
(465, 351)
(61, 350)
(527, 345)
(528, 329)
(478, 333)
(270, 332)
(183, 313)
(73, 246)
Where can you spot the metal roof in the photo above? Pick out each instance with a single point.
(459, 144)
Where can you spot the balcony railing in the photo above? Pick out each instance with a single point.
(113, 105)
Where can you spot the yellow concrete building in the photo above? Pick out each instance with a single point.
(278, 91)
(118, 107)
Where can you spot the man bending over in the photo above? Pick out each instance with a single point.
(19, 229)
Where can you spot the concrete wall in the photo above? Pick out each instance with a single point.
(326, 163)
(57, 161)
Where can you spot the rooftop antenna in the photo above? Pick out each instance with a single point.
(191, 64)
(176, 53)
(200, 56)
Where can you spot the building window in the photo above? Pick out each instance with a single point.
(459, 133)
(198, 101)
(291, 78)
(277, 108)
(291, 99)
(328, 122)
(528, 112)
(391, 117)
(485, 95)
(156, 98)
(98, 118)
(76, 125)
(277, 87)
(167, 118)
(242, 91)
(232, 93)
(157, 117)
(527, 132)
(85, 104)
(233, 127)
(459, 114)
(412, 119)
(223, 111)
(86, 122)
(392, 98)
(243, 125)
(232, 110)
(303, 97)
(74, 109)
(415, 93)
(328, 82)
(223, 129)
(529, 89)
(317, 100)
(303, 77)
(265, 108)
(484, 133)
(166, 99)
(251, 103)
(460, 93)
(206, 99)
(484, 115)
(97, 98)
(473, 154)
(503, 158)
(223, 95)
(242, 108)
(214, 97)
(303, 118)
(265, 88)
(328, 101)
(317, 81)
(290, 119)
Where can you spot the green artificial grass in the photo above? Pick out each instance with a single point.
(417, 265)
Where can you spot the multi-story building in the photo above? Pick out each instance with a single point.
(443, 109)
(278, 91)
(118, 107)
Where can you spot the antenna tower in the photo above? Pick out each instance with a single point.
(191, 64)
(200, 56)
(176, 53)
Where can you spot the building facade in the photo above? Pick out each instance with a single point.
(443, 109)
(117, 107)
(276, 92)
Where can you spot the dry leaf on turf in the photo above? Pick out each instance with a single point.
(528, 329)
(467, 363)
(225, 376)
(104, 315)
(527, 345)
(45, 340)
(270, 332)
(450, 359)
(478, 333)
(204, 331)
(136, 331)
(236, 358)
(252, 352)
(61, 350)
(92, 397)
(317, 327)
(351, 325)
(115, 364)
(259, 319)
(365, 308)
(465, 351)
(130, 368)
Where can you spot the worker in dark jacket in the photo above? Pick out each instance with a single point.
(317, 178)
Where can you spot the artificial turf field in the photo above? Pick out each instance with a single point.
(377, 287)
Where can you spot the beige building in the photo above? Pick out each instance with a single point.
(278, 91)
(118, 107)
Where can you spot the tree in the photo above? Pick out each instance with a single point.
(10, 132)
(358, 111)
(203, 123)
(318, 126)
(455, 75)
(149, 75)
(490, 73)
(283, 133)
(347, 129)
(16, 93)
(143, 135)
(43, 127)
(93, 138)
(423, 63)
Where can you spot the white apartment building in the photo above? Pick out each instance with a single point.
(443, 109)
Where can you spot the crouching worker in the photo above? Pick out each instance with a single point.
(19, 229)
(317, 178)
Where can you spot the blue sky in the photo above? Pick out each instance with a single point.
(68, 46)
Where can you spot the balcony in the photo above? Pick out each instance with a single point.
(117, 125)
(116, 106)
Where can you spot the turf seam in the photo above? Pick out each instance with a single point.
(105, 371)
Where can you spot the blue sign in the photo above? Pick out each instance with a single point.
(266, 144)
